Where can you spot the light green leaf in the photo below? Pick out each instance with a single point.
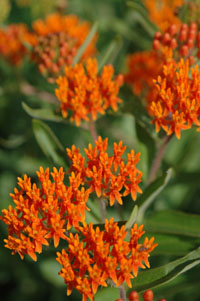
(174, 222)
(154, 277)
(151, 192)
(132, 218)
(85, 44)
(107, 294)
(110, 54)
(44, 114)
(49, 143)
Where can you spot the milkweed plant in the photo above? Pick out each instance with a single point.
(100, 127)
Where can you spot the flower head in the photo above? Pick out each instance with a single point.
(177, 105)
(108, 176)
(163, 13)
(58, 39)
(45, 212)
(85, 95)
(101, 256)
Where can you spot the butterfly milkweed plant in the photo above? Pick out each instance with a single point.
(100, 140)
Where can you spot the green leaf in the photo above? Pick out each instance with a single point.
(44, 114)
(174, 222)
(158, 276)
(107, 294)
(146, 146)
(151, 192)
(132, 218)
(110, 54)
(49, 143)
(85, 44)
(173, 245)
(50, 269)
(142, 17)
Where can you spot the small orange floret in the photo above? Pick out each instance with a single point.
(100, 256)
(107, 175)
(85, 94)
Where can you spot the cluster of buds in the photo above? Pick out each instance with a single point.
(183, 40)
(148, 295)
(99, 256)
(58, 38)
(53, 52)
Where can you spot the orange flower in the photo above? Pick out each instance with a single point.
(43, 213)
(142, 68)
(102, 255)
(12, 42)
(59, 38)
(177, 105)
(107, 175)
(86, 95)
(163, 13)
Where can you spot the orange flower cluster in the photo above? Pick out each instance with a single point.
(142, 68)
(177, 105)
(107, 175)
(12, 42)
(183, 40)
(59, 37)
(103, 255)
(164, 12)
(86, 95)
(43, 213)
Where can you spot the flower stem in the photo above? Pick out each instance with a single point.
(92, 129)
(103, 210)
(158, 159)
(122, 292)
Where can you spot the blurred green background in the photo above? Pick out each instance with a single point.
(20, 153)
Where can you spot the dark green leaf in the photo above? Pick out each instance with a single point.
(49, 143)
(174, 245)
(151, 192)
(146, 146)
(174, 222)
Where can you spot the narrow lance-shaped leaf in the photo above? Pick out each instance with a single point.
(146, 146)
(49, 143)
(110, 53)
(44, 114)
(174, 222)
(151, 278)
(151, 192)
(85, 44)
